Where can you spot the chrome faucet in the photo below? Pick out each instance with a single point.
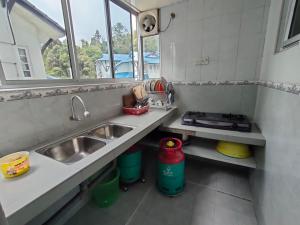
(74, 116)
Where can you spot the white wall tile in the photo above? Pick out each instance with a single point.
(252, 21)
(209, 72)
(211, 28)
(232, 6)
(227, 70)
(252, 4)
(230, 25)
(246, 68)
(229, 32)
(213, 8)
(249, 46)
(195, 10)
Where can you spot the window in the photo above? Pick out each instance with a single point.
(38, 25)
(135, 43)
(91, 39)
(24, 61)
(151, 56)
(122, 47)
(67, 40)
(289, 32)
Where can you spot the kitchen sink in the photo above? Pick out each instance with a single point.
(73, 150)
(110, 131)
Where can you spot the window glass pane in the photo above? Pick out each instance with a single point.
(27, 74)
(135, 45)
(38, 27)
(151, 56)
(295, 25)
(122, 42)
(89, 23)
(22, 52)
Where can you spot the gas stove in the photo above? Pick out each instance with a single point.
(222, 121)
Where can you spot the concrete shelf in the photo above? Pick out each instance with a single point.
(206, 149)
(253, 138)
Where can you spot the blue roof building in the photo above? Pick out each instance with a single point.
(123, 65)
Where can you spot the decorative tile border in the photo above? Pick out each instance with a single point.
(292, 88)
(8, 95)
(31, 93)
(213, 83)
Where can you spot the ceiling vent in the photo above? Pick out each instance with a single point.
(148, 23)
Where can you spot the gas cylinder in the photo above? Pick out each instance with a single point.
(171, 164)
(130, 164)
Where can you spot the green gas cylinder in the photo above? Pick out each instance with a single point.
(130, 164)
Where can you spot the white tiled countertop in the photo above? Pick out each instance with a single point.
(48, 180)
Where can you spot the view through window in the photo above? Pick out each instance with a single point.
(35, 41)
(151, 56)
(33, 36)
(91, 39)
(123, 55)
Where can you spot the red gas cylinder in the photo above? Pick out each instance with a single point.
(170, 155)
(171, 179)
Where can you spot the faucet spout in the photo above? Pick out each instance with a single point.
(74, 116)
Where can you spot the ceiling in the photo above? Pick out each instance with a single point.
(143, 5)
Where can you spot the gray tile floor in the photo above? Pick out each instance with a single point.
(214, 195)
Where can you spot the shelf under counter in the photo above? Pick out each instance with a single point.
(206, 149)
(254, 137)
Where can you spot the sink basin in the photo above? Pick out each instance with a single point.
(110, 131)
(73, 150)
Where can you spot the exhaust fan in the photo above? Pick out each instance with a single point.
(148, 23)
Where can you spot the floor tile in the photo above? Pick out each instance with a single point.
(209, 198)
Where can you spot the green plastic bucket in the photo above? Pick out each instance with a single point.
(107, 191)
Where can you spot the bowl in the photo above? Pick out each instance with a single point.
(15, 164)
(234, 150)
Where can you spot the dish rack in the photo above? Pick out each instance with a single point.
(159, 100)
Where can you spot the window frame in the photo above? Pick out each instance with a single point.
(142, 55)
(23, 63)
(287, 15)
(76, 80)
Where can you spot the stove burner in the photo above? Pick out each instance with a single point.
(217, 120)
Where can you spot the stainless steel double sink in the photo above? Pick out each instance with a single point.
(74, 149)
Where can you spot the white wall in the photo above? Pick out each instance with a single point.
(281, 66)
(276, 182)
(27, 35)
(7, 53)
(230, 32)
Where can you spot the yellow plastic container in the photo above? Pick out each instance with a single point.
(15, 164)
(235, 150)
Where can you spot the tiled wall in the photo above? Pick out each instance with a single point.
(239, 99)
(28, 122)
(276, 182)
(229, 32)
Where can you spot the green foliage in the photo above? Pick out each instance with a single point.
(56, 55)
(151, 44)
(56, 59)
(121, 39)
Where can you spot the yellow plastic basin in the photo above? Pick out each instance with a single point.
(15, 164)
(235, 150)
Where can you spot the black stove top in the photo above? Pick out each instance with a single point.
(217, 120)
